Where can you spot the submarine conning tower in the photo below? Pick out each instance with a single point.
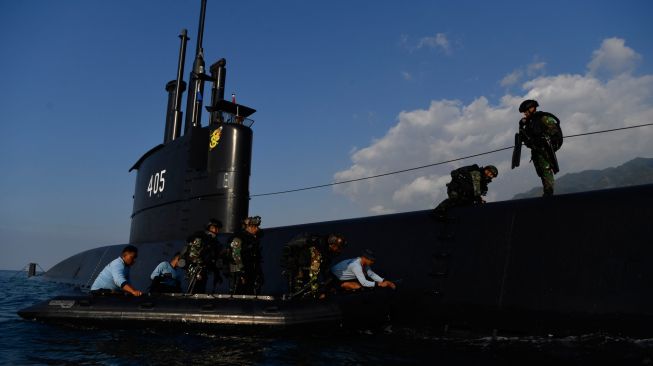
(202, 174)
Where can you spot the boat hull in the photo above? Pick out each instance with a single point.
(180, 309)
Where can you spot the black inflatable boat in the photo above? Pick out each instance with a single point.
(182, 309)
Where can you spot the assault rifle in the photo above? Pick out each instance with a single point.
(192, 278)
(516, 152)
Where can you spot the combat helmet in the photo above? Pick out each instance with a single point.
(252, 221)
(337, 240)
(527, 104)
(493, 169)
(214, 222)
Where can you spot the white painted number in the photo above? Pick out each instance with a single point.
(157, 183)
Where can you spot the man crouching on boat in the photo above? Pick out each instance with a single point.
(115, 276)
(352, 273)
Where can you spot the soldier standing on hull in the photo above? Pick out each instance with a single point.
(244, 258)
(540, 131)
(200, 255)
(468, 185)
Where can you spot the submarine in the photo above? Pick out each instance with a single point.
(567, 264)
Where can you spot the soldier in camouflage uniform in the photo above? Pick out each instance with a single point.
(306, 260)
(468, 185)
(244, 259)
(540, 131)
(199, 257)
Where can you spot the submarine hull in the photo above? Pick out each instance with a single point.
(566, 264)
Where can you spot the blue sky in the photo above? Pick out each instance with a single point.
(343, 89)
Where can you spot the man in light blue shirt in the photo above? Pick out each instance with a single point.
(115, 276)
(352, 273)
(165, 277)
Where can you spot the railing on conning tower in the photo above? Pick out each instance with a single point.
(223, 111)
(226, 117)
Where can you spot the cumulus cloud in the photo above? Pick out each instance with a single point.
(449, 129)
(613, 58)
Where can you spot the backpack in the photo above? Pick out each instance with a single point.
(462, 175)
(292, 250)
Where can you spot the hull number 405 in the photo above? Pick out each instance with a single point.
(157, 183)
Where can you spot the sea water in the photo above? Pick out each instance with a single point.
(24, 342)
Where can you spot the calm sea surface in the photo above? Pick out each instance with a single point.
(31, 343)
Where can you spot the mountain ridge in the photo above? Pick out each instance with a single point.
(634, 172)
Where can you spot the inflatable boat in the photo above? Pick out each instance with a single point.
(181, 309)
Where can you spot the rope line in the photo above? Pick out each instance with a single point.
(433, 164)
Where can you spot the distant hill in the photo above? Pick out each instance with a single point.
(635, 172)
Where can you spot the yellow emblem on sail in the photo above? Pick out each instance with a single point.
(215, 138)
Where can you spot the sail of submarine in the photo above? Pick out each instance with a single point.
(496, 266)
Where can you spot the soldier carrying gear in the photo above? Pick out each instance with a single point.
(468, 184)
(200, 256)
(244, 259)
(540, 132)
(306, 260)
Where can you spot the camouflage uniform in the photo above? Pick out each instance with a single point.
(305, 260)
(467, 186)
(244, 259)
(535, 132)
(200, 254)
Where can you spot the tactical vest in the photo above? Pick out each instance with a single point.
(463, 172)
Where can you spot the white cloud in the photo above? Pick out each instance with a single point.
(406, 75)
(613, 58)
(439, 41)
(449, 129)
(380, 210)
(534, 69)
(419, 188)
(512, 78)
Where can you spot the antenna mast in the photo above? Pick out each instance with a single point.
(197, 76)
